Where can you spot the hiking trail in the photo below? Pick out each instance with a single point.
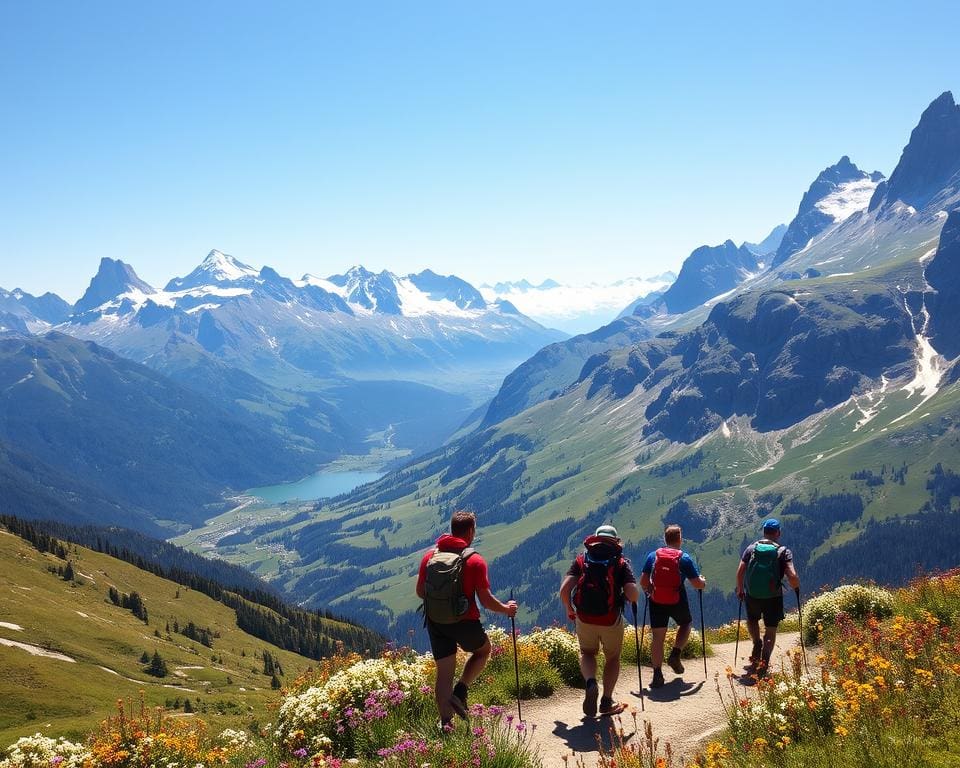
(685, 712)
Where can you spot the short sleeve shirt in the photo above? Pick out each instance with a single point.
(475, 577)
(688, 568)
(624, 574)
(785, 556)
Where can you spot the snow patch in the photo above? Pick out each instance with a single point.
(930, 366)
(415, 303)
(36, 650)
(847, 199)
(9, 625)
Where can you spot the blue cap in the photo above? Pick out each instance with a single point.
(771, 524)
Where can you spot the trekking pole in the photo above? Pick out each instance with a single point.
(703, 636)
(803, 650)
(736, 645)
(516, 663)
(636, 639)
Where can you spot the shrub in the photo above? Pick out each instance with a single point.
(563, 652)
(39, 751)
(318, 718)
(858, 601)
(498, 681)
(937, 594)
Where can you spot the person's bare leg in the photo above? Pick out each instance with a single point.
(446, 668)
(656, 647)
(683, 635)
(611, 672)
(769, 640)
(475, 664)
(588, 664)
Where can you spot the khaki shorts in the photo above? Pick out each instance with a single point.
(592, 636)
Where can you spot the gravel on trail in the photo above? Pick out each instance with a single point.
(684, 713)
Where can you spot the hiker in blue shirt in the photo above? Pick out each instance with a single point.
(662, 579)
(760, 574)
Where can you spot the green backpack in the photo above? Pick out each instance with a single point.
(763, 570)
(444, 601)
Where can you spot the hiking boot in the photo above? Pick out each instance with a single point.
(674, 661)
(611, 707)
(756, 654)
(762, 668)
(459, 701)
(658, 680)
(590, 698)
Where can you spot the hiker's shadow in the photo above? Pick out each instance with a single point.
(584, 735)
(673, 691)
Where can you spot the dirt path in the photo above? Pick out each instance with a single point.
(685, 712)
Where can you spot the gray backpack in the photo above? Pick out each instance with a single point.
(444, 601)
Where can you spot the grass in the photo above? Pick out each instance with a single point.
(77, 619)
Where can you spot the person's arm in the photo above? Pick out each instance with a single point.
(741, 571)
(645, 582)
(689, 569)
(566, 588)
(791, 574)
(488, 601)
(631, 591)
(422, 578)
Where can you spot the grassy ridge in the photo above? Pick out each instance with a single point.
(78, 620)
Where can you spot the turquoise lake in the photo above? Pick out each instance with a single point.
(318, 486)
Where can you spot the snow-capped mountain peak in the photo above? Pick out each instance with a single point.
(114, 278)
(413, 295)
(217, 268)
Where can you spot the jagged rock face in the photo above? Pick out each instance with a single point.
(769, 244)
(49, 307)
(10, 323)
(552, 369)
(369, 290)
(929, 161)
(813, 217)
(777, 357)
(452, 288)
(708, 272)
(113, 279)
(943, 275)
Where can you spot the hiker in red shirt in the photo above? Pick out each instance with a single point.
(452, 578)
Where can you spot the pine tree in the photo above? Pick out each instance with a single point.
(68, 572)
(157, 667)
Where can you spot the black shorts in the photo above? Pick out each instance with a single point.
(444, 638)
(660, 615)
(768, 608)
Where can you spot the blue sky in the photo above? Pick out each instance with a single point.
(491, 140)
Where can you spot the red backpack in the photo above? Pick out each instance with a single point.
(666, 576)
(596, 596)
